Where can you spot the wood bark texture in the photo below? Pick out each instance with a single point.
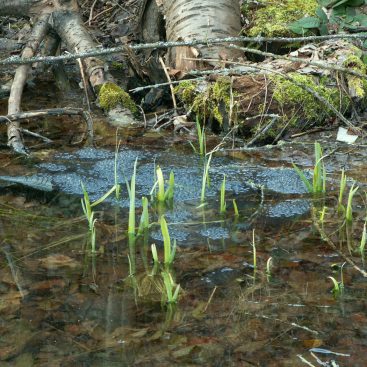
(198, 19)
(38, 33)
(70, 28)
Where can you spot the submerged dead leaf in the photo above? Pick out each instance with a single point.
(48, 284)
(58, 261)
(10, 302)
(183, 352)
(312, 343)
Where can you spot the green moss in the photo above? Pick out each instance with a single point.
(359, 85)
(295, 99)
(115, 65)
(206, 103)
(273, 18)
(110, 95)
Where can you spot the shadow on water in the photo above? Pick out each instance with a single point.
(62, 306)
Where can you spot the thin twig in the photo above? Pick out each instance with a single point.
(85, 84)
(14, 60)
(170, 81)
(139, 89)
(210, 299)
(319, 64)
(274, 119)
(91, 12)
(31, 133)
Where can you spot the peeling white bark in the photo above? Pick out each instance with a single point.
(200, 19)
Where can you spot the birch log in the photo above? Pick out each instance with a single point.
(198, 19)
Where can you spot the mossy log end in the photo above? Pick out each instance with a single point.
(253, 100)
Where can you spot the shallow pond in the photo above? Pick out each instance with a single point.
(62, 306)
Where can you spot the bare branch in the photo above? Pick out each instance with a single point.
(14, 60)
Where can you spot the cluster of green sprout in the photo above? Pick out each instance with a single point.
(344, 212)
(161, 196)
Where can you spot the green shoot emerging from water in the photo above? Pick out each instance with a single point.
(349, 211)
(89, 213)
(205, 180)
(155, 254)
(93, 237)
(131, 190)
(117, 185)
(165, 195)
(87, 207)
(144, 220)
(318, 184)
(363, 240)
(171, 187)
(201, 139)
(336, 289)
(235, 208)
(343, 183)
(223, 196)
(172, 289)
(169, 252)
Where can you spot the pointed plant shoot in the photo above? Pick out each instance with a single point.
(87, 207)
(160, 180)
(169, 252)
(171, 187)
(131, 191)
(362, 244)
(235, 208)
(164, 195)
(205, 179)
(343, 184)
(201, 137)
(144, 219)
(349, 211)
(318, 184)
(172, 289)
(223, 196)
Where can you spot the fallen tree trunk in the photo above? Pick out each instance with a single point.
(198, 19)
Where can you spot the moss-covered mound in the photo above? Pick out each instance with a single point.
(272, 19)
(210, 101)
(296, 100)
(111, 95)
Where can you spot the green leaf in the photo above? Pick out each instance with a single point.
(302, 25)
(303, 178)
